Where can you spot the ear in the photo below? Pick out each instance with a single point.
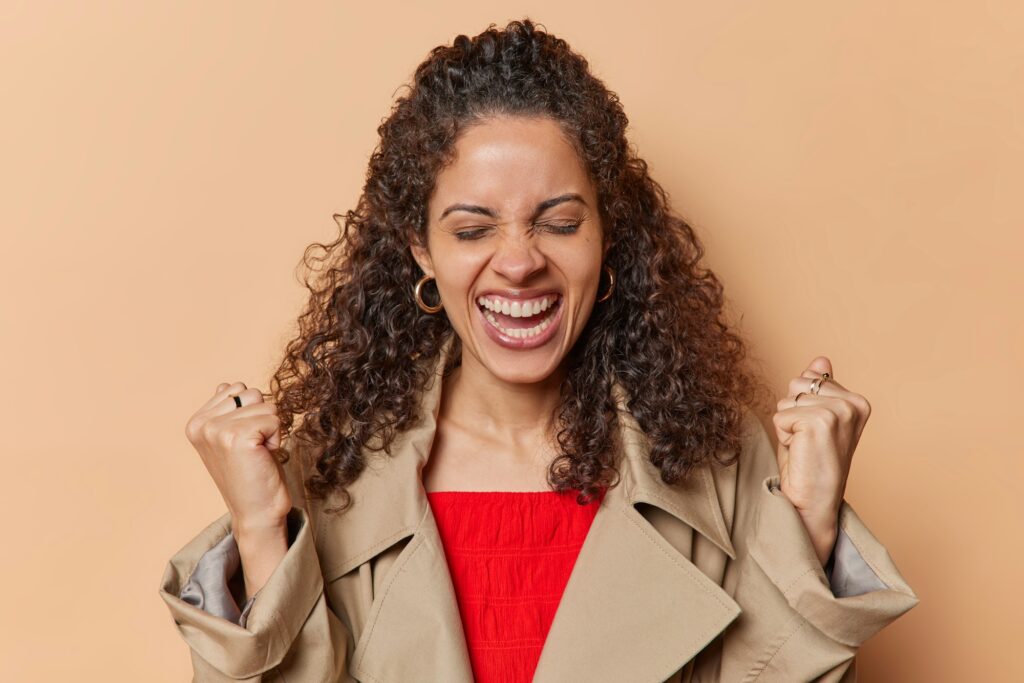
(422, 257)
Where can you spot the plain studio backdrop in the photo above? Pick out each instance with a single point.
(854, 170)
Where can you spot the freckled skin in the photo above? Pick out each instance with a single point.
(497, 410)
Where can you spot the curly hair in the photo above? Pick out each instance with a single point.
(363, 350)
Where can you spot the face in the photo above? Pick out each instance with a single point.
(515, 246)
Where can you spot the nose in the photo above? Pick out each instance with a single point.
(518, 258)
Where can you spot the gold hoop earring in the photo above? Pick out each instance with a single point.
(611, 284)
(418, 294)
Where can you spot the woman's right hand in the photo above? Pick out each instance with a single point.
(235, 444)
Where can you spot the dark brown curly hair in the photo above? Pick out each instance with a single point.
(364, 350)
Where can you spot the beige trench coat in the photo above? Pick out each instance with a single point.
(715, 580)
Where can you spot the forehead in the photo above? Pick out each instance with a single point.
(510, 164)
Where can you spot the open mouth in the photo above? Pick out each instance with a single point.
(518, 322)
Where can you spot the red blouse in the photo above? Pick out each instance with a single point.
(510, 554)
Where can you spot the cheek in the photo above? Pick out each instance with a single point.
(457, 276)
(585, 276)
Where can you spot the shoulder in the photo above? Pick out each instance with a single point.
(742, 486)
(755, 459)
(299, 460)
(757, 456)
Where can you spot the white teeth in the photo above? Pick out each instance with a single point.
(516, 332)
(517, 309)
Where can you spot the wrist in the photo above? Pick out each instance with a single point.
(258, 528)
(823, 530)
(823, 546)
(261, 550)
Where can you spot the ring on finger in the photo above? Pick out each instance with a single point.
(816, 384)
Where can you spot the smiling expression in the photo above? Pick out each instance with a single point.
(515, 245)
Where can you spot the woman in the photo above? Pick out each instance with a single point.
(528, 447)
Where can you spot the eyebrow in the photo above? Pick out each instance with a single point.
(541, 208)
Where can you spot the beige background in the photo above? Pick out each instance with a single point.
(855, 170)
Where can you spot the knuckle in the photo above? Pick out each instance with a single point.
(225, 438)
(862, 404)
(191, 430)
(207, 430)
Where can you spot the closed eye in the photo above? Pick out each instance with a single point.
(557, 228)
(470, 234)
(562, 228)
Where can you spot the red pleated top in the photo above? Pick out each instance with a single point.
(510, 554)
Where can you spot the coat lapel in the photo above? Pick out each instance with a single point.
(413, 631)
(634, 608)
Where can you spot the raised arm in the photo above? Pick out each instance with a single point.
(289, 632)
(799, 623)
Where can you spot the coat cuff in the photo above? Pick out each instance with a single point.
(269, 624)
(209, 586)
(866, 592)
(847, 571)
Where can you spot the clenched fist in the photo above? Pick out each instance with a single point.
(236, 445)
(818, 432)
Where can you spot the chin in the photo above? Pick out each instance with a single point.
(522, 373)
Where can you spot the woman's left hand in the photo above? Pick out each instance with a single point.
(817, 436)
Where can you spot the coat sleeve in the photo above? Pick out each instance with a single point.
(803, 622)
(848, 572)
(289, 632)
(209, 587)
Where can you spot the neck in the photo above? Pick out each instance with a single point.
(516, 413)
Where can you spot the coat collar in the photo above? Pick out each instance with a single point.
(635, 608)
